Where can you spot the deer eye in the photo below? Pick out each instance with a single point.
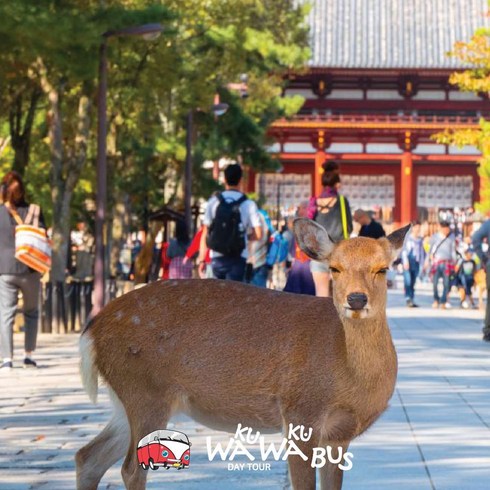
(384, 270)
(334, 270)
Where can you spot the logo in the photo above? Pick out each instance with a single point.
(164, 448)
(259, 450)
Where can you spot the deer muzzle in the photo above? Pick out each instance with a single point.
(357, 301)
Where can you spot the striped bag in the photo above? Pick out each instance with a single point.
(32, 246)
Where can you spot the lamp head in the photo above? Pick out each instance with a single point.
(220, 109)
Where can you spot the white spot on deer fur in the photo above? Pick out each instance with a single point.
(136, 319)
(119, 315)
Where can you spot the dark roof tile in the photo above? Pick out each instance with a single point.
(392, 33)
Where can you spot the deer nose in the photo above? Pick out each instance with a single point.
(357, 301)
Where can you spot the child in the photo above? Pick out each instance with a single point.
(466, 269)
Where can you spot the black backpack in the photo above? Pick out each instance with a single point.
(226, 233)
(330, 217)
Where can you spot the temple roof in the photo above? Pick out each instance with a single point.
(384, 34)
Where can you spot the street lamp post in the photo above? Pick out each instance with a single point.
(148, 32)
(218, 108)
(188, 172)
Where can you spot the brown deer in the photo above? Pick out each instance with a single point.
(228, 353)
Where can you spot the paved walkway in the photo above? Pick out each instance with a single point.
(436, 434)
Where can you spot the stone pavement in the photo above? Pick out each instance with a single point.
(435, 435)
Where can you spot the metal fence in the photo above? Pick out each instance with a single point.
(65, 306)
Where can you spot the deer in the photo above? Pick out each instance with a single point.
(226, 353)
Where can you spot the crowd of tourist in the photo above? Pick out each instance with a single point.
(238, 241)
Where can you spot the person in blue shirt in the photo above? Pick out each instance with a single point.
(413, 257)
(477, 241)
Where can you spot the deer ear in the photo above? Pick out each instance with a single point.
(397, 238)
(312, 239)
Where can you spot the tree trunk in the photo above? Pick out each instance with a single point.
(61, 208)
(20, 133)
(67, 164)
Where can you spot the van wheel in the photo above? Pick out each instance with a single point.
(152, 466)
(143, 465)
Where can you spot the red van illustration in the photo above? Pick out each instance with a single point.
(167, 448)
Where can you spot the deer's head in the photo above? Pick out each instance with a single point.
(358, 266)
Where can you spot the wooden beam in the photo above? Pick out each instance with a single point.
(318, 124)
(406, 187)
(319, 161)
(382, 157)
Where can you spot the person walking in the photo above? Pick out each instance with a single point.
(442, 257)
(332, 211)
(179, 268)
(466, 269)
(300, 279)
(257, 268)
(477, 241)
(230, 221)
(413, 257)
(15, 276)
(193, 251)
(369, 226)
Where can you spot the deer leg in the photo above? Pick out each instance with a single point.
(302, 475)
(339, 426)
(142, 422)
(330, 474)
(94, 459)
(134, 477)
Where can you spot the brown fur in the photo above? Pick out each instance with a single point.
(229, 353)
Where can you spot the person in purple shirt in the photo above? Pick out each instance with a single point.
(325, 209)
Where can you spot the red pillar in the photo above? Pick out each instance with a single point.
(320, 158)
(406, 187)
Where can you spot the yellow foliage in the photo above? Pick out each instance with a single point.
(475, 53)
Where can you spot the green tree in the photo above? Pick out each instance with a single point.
(60, 43)
(49, 59)
(475, 53)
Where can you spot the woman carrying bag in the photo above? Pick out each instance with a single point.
(332, 211)
(21, 229)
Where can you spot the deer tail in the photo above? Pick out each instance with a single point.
(88, 368)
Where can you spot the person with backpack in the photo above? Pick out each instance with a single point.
(229, 222)
(442, 257)
(332, 211)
